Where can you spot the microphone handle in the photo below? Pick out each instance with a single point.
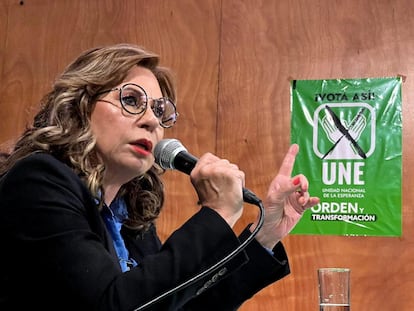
(185, 162)
(250, 197)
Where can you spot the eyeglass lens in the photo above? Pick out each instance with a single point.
(134, 100)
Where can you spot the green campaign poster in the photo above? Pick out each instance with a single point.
(350, 137)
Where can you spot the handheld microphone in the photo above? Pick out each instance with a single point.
(171, 154)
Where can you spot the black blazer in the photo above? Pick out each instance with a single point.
(57, 254)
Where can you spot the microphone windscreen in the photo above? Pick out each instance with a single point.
(165, 152)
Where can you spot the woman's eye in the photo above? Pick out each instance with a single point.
(158, 108)
(130, 100)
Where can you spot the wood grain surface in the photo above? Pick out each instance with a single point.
(234, 60)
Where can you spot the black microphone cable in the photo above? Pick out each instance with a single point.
(202, 274)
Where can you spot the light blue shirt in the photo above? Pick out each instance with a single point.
(113, 216)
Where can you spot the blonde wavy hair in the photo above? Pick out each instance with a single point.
(62, 126)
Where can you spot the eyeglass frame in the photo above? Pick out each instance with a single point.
(120, 88)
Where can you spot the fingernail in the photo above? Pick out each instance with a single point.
(296, 181)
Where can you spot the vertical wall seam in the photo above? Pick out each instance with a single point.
(219, 73)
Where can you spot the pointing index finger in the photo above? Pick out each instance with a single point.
(289, 161)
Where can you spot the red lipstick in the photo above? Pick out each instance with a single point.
(142, 146)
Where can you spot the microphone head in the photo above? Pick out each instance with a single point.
(165, 152)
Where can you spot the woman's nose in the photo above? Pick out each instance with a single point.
(149, 119)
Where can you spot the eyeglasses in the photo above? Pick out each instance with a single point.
(134, 100)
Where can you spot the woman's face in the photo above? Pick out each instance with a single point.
(124, 141)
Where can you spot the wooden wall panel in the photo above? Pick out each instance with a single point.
(233, 61)
(3, 32)
(265, 44)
